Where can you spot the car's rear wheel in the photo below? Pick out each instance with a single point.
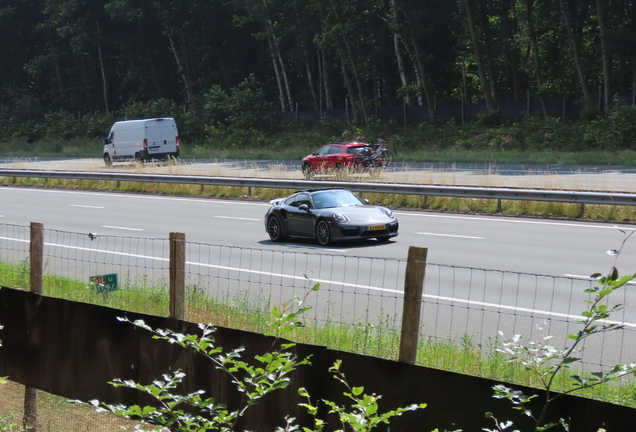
(323, 233)
(275, 229)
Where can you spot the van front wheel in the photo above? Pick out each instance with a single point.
(107, 160)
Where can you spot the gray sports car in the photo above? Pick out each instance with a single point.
(328, 215)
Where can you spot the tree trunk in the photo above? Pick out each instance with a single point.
(277, 54)
(606, 57)
(575, 51)
(58, 69)
(511, 53)
(184, 77)
(310, 77)
(484, 17)
(535, 54)
(420, 73)
(187, 61)
(483, 79)
(352, 63)
(352, 98)
(279, 81)
(325, 79)
(398, 55)
(103, 70)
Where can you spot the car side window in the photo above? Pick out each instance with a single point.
(324, 151)
(335, 150)
(298, 200)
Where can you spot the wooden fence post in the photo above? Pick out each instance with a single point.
(413, 288)
(36, 262)
(177, 275)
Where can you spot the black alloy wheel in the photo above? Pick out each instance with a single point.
(323, 233)
(275, 229)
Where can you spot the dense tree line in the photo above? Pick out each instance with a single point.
(78, 58)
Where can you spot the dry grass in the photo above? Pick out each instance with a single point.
(55, 413)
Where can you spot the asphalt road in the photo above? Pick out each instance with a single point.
(367, 277)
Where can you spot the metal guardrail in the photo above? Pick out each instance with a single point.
(628, 199)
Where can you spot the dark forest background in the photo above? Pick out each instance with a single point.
(71, 67)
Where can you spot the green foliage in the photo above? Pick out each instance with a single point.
(547, 361)
(253, 379)
(491, 119)
(149, 109)
(362, 416)
(242, 108)
(8, 424)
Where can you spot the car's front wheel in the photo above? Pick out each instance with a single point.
(275, 229)
(107, 160)
(323, 233)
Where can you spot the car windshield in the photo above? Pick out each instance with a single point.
(336, 198)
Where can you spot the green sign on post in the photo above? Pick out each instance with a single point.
(104, 283)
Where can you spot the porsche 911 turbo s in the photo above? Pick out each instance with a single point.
(328, 215)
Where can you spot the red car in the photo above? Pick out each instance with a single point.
(333, 157)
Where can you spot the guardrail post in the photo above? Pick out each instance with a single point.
(177, 276)
(413, 288)
(36, 262)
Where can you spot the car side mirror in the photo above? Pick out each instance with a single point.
(366, 201)
(304, 207)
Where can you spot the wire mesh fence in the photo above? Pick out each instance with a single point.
(358, 306)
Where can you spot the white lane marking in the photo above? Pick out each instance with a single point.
(450, 235)
(237, 218)
(122, 228)
(367, 287)
(316, 248)
(86, 206)
(520, 221)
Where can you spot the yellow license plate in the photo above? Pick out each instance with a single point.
(377, 227)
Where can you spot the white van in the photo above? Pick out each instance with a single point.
(142, 140)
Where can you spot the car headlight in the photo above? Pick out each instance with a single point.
(387, 212)
(340, 218)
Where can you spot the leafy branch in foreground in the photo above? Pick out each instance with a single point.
(361, 416)
(547, 361)
(253, 379)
